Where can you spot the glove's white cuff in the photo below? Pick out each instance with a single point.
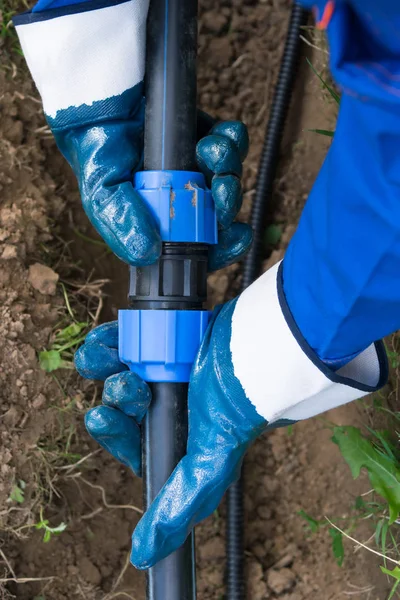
(279, 372)
(86, 54)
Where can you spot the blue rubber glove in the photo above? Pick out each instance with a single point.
(254, 370)
(222, 425)
(88, 62)
(103, 158)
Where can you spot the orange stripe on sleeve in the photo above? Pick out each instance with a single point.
(326, 15)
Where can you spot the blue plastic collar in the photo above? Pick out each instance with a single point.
(161, 345)
(181, 204)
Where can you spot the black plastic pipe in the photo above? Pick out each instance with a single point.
(171, 86)
(235, 576)
(165, 436)
(169, 144)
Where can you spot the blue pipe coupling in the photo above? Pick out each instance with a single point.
(161, 345)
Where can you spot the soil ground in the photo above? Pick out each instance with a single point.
(65, 477)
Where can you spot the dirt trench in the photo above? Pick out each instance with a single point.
(44, 451)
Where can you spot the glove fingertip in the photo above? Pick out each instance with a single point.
(95, 421)
(107, 334)
(218, 154)
(128, 392)
(237, 132)
(97, 361)
(81, 363)
(138, 558)
(147, 253)
(233, 243)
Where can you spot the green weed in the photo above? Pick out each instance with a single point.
(18, 492)
(8, 9)
(273, 234)
(336, 536)
(312, 523)
(65, 341)
(41, 524)
(395, 573)
(378, 453)
(378, 457)
(332, 93)
(393, 354)
(49, 531)
(324, 132)
(337, 545)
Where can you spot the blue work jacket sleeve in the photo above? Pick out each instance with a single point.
(341, 271)
(50, 4)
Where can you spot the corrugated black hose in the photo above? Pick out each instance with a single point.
(235, 578)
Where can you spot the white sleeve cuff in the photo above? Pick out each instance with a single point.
(84, 53)
(279, 372)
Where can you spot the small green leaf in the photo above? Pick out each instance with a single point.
(47, 536)
(383, 472)
(378, 531)
(273, 234)
(42, 524)
(59, 529)
(17, 494)
(394, 359)
(49, 531)
(384, 439)
(312, 523)
(70, 456)
(70, 332)
(395, 573)
(323, 132)
(359, 504)
(337, 545)
(50, 360)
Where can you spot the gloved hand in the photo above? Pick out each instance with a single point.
(222, 425)
(88, 61)
(254, 370)
(104, 156)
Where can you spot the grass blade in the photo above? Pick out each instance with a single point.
(331, 91)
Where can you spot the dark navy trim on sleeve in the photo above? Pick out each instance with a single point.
(323, 367)
(280, 423)
(29, 17)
